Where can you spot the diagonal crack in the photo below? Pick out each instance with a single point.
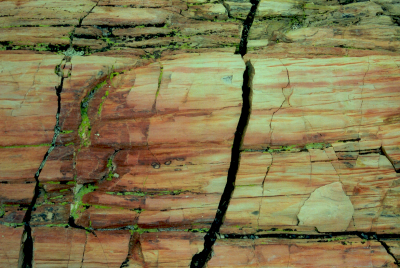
(246, 27)
(387, 248)
(384, 152)
(71, 37)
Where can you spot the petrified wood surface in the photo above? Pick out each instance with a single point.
(138, 133)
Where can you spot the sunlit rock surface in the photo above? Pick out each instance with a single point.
(119, 117)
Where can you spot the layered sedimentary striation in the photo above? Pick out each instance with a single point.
(122, 120)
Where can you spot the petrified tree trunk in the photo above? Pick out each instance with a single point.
(174, 133)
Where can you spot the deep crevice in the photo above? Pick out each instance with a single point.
(26, 250)
(200, 259)
(246, 27)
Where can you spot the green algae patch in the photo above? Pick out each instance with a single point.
(137, 229)
(25, 146)
(318, 145)
(78, 206)
(85, 127)
(103, 99)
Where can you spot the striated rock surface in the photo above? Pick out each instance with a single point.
(175, 133)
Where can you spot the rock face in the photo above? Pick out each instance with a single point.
(328, 209)
(174, 133)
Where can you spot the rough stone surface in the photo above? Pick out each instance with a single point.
(119, 119)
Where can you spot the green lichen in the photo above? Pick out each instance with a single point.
(138, 193)
(52, 182)
(64, 190)
(70, 52)
(11, 224)
(285, 148)
(78, 205)
(137, 229)
(46, 201)
(175, 192)
(85, 127)
(336, 238)
(28, 145)
(2, 210)
(103, 99)
(57, 225)
(159, 80)
(57, 197)
(318, 145)
(200, 230)
(101, 207)
(41, 47)
(109, 42)
(66, 131)
(112, 75)
(111, 169)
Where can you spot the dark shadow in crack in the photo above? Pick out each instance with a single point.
(200, 259)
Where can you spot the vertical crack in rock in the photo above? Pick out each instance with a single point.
(26, 250)
(311, 171)
(154, 108)
(286, 99)
(200, 259)
(85, 128)
(135, 255)
(262, 186)
(226, 6)
(111, 167)
(84, 250)
(246, 27)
